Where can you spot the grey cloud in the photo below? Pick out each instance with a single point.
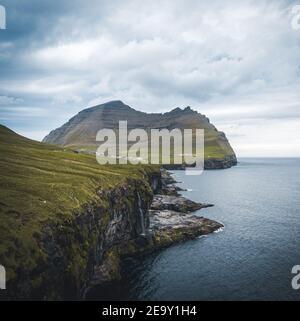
(60, 56)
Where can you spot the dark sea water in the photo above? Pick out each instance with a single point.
(258, 201)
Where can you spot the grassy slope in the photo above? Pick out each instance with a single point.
(214, 146)
(42, 183)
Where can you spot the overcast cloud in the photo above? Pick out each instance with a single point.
(238, 62)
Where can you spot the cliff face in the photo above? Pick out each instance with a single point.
(80, 131)
(63, 217)
(86, 251)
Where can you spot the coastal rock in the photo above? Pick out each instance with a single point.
(226, 162)
(171, 220)
(170, 227)
(167, 178)
(171, 190)
(170, 217)
(209, 163)
(168, 184)
(176, 203)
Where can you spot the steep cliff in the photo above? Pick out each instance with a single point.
(63, 217)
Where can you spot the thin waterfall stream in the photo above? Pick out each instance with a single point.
(141, 216)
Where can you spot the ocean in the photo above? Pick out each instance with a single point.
(258, 201)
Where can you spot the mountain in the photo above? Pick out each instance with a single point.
(80, 131)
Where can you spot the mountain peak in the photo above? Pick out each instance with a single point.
(179, 110)
(110, 105)
(114, 103)
(176, 110)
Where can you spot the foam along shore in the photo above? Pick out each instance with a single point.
(172, 219)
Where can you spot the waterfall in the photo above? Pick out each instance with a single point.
(141, 215)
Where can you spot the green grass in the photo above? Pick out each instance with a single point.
(43, 184)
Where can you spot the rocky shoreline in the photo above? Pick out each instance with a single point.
(172, 219)
(168, 220)
(209, 164)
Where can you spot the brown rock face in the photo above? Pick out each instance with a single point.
(80, 131)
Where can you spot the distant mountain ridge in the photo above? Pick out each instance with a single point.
(80, 131)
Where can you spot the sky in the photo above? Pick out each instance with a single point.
(237, 62)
